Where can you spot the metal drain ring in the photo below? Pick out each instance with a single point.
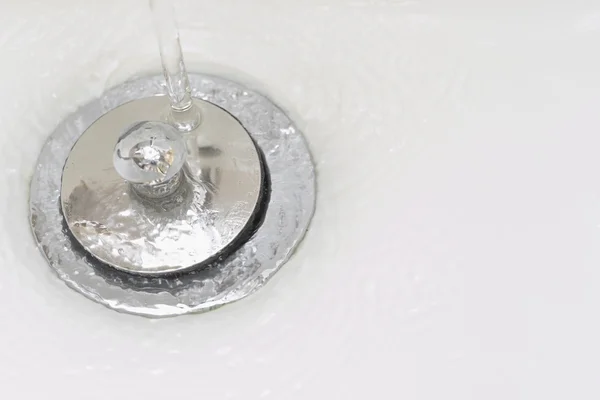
(286, 216)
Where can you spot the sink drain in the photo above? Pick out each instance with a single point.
(213, 270)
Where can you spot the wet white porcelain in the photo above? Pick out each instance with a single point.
(455, 249)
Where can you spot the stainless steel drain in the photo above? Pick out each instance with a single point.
(236, 267)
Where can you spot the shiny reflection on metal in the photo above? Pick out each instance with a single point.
(148, 152)
(182, 230)
(150, 155)
(286, 213)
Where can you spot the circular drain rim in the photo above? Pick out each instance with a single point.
(290, 207)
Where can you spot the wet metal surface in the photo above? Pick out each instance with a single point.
(134, 232)
(286, 216)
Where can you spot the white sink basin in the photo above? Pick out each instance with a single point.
(455, 250)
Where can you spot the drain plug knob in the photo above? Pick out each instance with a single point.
(150, 155)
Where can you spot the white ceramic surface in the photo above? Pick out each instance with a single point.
(455, 250)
